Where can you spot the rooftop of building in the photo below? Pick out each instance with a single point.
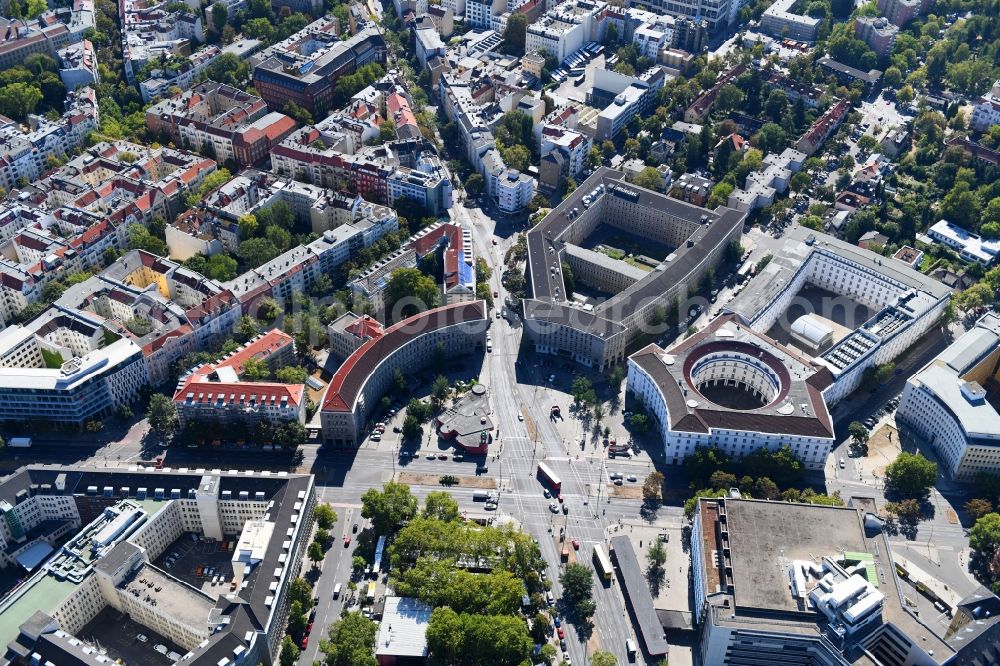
(796, 406)
(764, 544)
(403, 630)
(548, 301)
(346, 384)
(800, 244)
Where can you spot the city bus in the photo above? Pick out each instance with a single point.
(377, 566)
(602, 563)
(548, 476)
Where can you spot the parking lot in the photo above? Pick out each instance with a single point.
(211, 556)
(117, 636)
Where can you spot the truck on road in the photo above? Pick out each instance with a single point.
(482, 496)
(19, 442)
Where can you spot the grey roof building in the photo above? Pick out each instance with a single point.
(595, 331)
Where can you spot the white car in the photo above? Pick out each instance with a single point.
(141, 638)
(431, 456)
(520, 417)
(554, 508)
(632, 478)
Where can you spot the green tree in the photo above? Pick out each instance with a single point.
(984, 536)
(387, 131)
(907, 510)
(246, 328)
(439, 390)
(440, 505)
(649, 178)
(515, 33)
(910, 475)
(291, 374)
(412, 292)
(325, 516)
(255, 370)
(604, 658)
(289, 652)
(771, 138)
(290, 435)
(411, 427)
(475, 184)
(220, 15)
(351, 642)
(162, 415)
(653, 486)
(730, 97)
(569, 283)
(389, 507)
(315, 552)
(577, 581)
(639, 423)
(301, 591)
(858, 432)
(257, 252)
(582, 390)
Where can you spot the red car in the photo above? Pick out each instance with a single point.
(309, 628)
(347, 541)
(561, 632)
(576, 544)
(304, 643)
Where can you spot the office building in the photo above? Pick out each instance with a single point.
(356, 388)
(791, 583)
(685, 241)
(305, 67)
(126, 523)
(951, 403)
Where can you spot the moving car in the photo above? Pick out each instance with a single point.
(347, 541)
(554, 508)
(576, 544)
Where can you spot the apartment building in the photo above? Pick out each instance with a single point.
(24, 156)
(152, 30)
(780, 21)
(166, 309)
(359, 383)
(305, 67)
(234, 125)
(130, 520)
(877, 33)
(349, 331)
(567, 27)
(214, 392)
(632, 95)
(970, 246)
(53, 30)
(78, 65)
(716, 15)
(322, 155)
(986, 112)
(901, 12)
(564, 154)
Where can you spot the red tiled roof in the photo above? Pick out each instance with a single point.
(205, 392)
(259, 349)
(366, 328)
(345, 385)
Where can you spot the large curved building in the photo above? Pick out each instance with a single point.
(410, 345)
(731, 387)
(952, 403)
